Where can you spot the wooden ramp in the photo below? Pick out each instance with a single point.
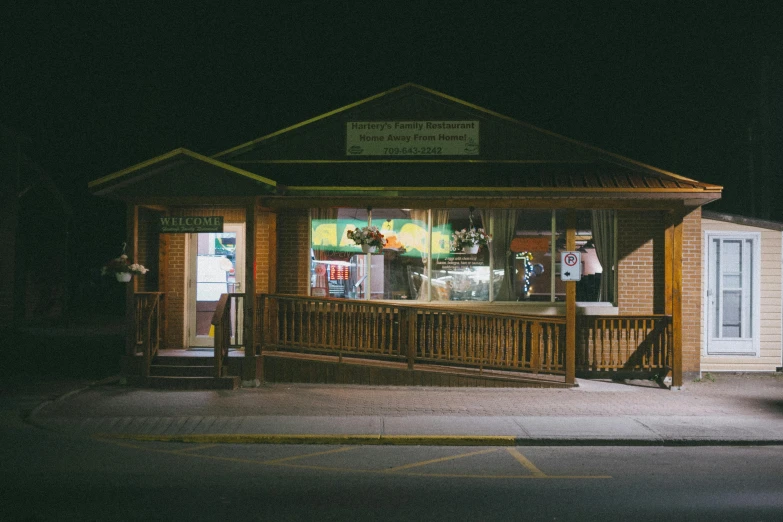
(282, 366)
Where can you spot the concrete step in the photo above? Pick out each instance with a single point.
(192, 383)
(170, 370)
(184, 361)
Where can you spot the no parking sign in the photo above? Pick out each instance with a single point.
(570, 266)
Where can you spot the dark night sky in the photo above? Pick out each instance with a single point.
(98, 89)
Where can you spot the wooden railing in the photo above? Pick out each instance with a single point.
(623, 343)
(228, 322)
(148, 311)
(490, 340)
(412, 333)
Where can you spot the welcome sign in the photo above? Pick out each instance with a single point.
(190, 224)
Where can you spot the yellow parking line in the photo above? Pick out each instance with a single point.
(525, 462)
(295, 457)
(442, 459)
(515, 477)
(195, 448)
(285, 462)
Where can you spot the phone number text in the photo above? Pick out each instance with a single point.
(405, 151)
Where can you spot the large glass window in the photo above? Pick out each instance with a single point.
(424, 259)
(339, 267)
(459, 272)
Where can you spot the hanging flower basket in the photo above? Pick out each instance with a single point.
(369, 238)
(123, 269)
(469, 241)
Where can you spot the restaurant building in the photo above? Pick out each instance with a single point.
(594, 267)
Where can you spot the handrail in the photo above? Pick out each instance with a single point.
(413, 332)
(221, 321)
(411, 305)
(431, 333)
(228, 321)
(148, 325)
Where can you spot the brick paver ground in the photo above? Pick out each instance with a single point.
(729, 394)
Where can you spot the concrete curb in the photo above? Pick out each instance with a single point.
(30, 417)
(422, 440)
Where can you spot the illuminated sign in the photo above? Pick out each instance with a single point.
(408, 237)
(412, 138)
(338, 272)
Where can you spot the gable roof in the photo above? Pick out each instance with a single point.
(313, 161)
(180, 172)
(312, 153)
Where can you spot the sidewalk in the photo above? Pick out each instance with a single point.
(732, 410)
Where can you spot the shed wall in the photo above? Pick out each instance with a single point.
(771, 306)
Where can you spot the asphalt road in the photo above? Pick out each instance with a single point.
(50, 476)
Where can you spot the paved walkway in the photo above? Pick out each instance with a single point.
(734, 409)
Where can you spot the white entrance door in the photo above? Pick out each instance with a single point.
(216, 263)
(732, 294)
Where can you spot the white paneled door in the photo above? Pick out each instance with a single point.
(732, 294)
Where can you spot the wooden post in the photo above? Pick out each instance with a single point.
(261, 327)
(570, 355)
(163, 284)
(674, 292)
(248, 330)
(131, 228)
(408, 332)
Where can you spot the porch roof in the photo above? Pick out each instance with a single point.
(179, 173)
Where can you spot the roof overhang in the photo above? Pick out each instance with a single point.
(489, 197)
(195, 172)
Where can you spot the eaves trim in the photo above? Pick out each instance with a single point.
(180, 152)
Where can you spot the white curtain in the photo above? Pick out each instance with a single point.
(603, 237)
(503, 231)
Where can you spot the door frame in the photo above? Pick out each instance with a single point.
(711, 348)
(191, 244)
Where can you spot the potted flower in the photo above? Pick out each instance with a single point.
(123, 269)
(469, 240)
(369, 238)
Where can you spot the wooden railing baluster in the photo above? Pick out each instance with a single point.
(426, 332)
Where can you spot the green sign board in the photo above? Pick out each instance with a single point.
(190, 224)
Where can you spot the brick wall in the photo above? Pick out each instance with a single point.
(691, 291)
(266, 251)
(641, 237)
(293, 237)
(640, 254)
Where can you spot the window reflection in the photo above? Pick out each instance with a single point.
(521, 263)
(458, 275)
